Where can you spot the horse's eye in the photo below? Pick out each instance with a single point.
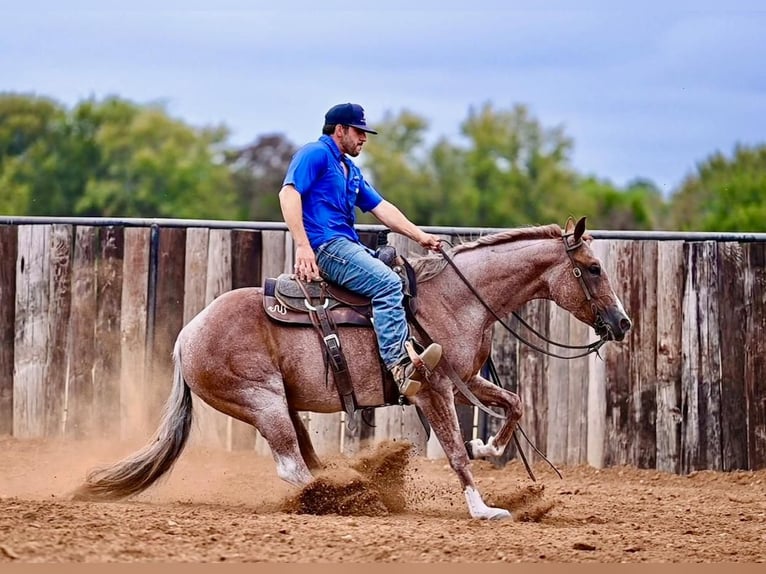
(595, 269)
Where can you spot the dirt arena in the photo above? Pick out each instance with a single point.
(383, 506)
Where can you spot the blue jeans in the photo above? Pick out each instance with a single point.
(355, 267)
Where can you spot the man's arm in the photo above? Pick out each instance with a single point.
(390, 216)
(292, 212)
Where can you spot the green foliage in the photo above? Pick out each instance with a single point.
(640, 206)
(725, 194)
(511, 171)
(520, 169)
(258, 171)
(109, 158)
(393, 161)
(26, 123)
(115, 158)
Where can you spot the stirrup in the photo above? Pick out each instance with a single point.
(409, 376)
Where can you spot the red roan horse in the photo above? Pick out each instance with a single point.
(239, 361)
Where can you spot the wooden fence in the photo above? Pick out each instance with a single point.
(89, 314)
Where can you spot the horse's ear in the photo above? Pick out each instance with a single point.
(569, 227)
(579, 229)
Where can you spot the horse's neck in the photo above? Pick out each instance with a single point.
(507, 276)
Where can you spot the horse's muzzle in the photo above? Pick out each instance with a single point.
(613, 327)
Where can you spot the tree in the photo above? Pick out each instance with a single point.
(639, 206)
(519, 169)
(110, 158)
(725, 194)
(258, 171)
(27, 123)
(151, 165)
(395, 164)
(510, 170)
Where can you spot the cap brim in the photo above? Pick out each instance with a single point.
(364, 129)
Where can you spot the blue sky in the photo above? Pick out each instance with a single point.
(645, 89)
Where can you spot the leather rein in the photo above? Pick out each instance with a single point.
(591, 348)
(577, 272)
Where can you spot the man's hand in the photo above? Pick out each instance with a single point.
(306, 263)
(430, 241)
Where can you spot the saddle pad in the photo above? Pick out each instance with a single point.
(278, 311)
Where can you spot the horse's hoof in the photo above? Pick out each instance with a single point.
(498, 514)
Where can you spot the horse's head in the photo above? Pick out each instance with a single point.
(584, 288)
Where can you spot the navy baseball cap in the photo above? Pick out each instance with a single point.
(348, 115)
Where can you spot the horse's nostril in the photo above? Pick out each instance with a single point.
(625, 325)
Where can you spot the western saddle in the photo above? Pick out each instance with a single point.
(325, 305)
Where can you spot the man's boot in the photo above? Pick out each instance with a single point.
(410, 373)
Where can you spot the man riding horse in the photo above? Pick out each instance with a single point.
(321, 190)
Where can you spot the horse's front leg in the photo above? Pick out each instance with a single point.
(492, 395)
(438, 405)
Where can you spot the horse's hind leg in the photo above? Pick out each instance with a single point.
(495, 396)
(304, 442)
(274, 420)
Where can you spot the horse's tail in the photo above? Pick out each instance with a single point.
(140, 470)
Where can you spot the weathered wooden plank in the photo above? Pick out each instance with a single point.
(195, 273)
(670, 287)
(596, 377)
(84, 308)
(557, 378)
(353, 442)
(755, 353)
(577, 411)
(701, 371)
(31, 339)
(325, 432)
(617, 383)
(245, 258)
(643, 362)
(274, 257)
(207, 429)
(8, 254)
(106, 368)
(165, 317)
(135, 410)
(218, 264)
(58, 319)
(732, 317)
(532, 378)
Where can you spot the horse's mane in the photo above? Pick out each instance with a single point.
(429, 266)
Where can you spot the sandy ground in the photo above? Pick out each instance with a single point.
(382, 507)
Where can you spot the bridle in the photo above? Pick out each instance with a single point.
(599, 324)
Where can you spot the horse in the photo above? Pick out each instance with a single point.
(242, 363)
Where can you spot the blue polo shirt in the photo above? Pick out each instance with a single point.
(329, 199)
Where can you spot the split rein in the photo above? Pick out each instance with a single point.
(577, 272)
(591, 348)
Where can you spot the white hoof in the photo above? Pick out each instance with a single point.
(498, 513)
(478, 509)
(481, 450)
